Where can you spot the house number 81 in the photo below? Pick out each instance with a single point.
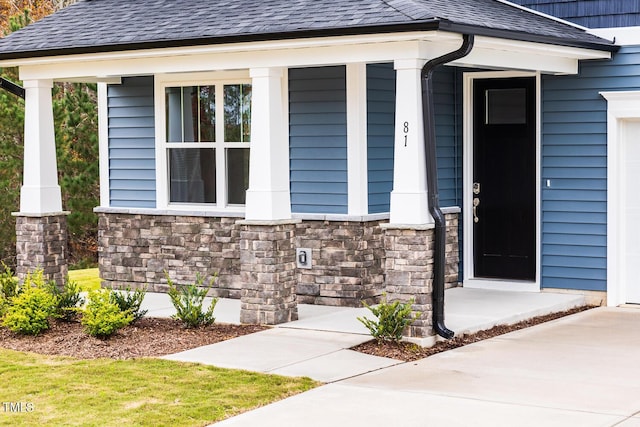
(406, 131)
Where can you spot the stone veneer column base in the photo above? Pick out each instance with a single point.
(268, 272)
(409, 269)
(41, 243)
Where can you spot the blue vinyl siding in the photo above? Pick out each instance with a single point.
(132, 143)
(447, 91)
(574, 159)
(381, 106)
(318, 140)
(590, 13)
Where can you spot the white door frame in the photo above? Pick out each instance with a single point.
(621, 107)
(469, 280)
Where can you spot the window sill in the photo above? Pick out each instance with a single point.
(168, 211)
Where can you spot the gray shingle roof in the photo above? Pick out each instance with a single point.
(106, 25)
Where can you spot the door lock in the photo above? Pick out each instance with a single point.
(476, 203)
(476, 188)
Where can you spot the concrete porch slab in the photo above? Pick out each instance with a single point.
(470, 310)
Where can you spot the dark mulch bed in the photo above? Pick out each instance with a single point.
(148, 337)
(152, 337)
(408, 352)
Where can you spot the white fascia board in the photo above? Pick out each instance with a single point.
(488, 53)
(623, 36)
(495, 53)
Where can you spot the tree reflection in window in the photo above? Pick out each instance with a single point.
(237, 113)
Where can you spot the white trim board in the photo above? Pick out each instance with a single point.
(621, 107)
(487, 53)
(467, 250)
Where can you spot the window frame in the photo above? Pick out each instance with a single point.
(219, 80)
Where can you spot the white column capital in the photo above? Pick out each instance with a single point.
(41, 83)
(276, 72)
(409, 64)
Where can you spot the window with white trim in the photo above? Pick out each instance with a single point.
(206, 142)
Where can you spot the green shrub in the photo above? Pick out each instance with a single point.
(68, 300)
(9, 288)
(188, 301)
(102, 317)
(392, 319)
(29, 311)
(130, 301)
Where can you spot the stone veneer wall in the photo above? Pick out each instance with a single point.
(409, 269)
(350, 259)
(135, 250)
(41, 243)
(268, 271)
(452, 257)
(347, 263)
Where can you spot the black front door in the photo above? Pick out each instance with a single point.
(504, 177)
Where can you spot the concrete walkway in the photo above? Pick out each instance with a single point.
(317, 345)
(581, 370)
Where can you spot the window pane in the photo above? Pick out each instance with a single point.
(237, 113)
(182, 114)
(173, 106)
(506, 106)
(207, 113)
(190, 114)
(237, 175)
(192, 175)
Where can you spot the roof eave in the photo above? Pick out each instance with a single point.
(448, 26)
(427, 25)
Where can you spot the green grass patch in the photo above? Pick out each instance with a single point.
(88, 279)
(142, 392)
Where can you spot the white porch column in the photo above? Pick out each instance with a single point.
(268, 196)
(409, 203)
(357, 139)
(40, 191)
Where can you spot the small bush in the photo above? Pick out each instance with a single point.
(8, 283)
(102, 317)
(130, 301)
(9, 288)
(392, 319)
(29, 311)
(68, 300)
(188, 301)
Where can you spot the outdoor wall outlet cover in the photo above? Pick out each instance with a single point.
(303, 257)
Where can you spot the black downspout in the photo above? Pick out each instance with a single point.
(428, 114)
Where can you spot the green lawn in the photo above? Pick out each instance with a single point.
(88, 279)
(142, 392)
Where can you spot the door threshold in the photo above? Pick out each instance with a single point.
(502, 285)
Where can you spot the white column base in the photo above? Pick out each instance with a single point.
(410, 208)
(264, 205)
(36, 199)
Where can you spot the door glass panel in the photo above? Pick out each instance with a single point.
(506, 106)
(237, 175)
